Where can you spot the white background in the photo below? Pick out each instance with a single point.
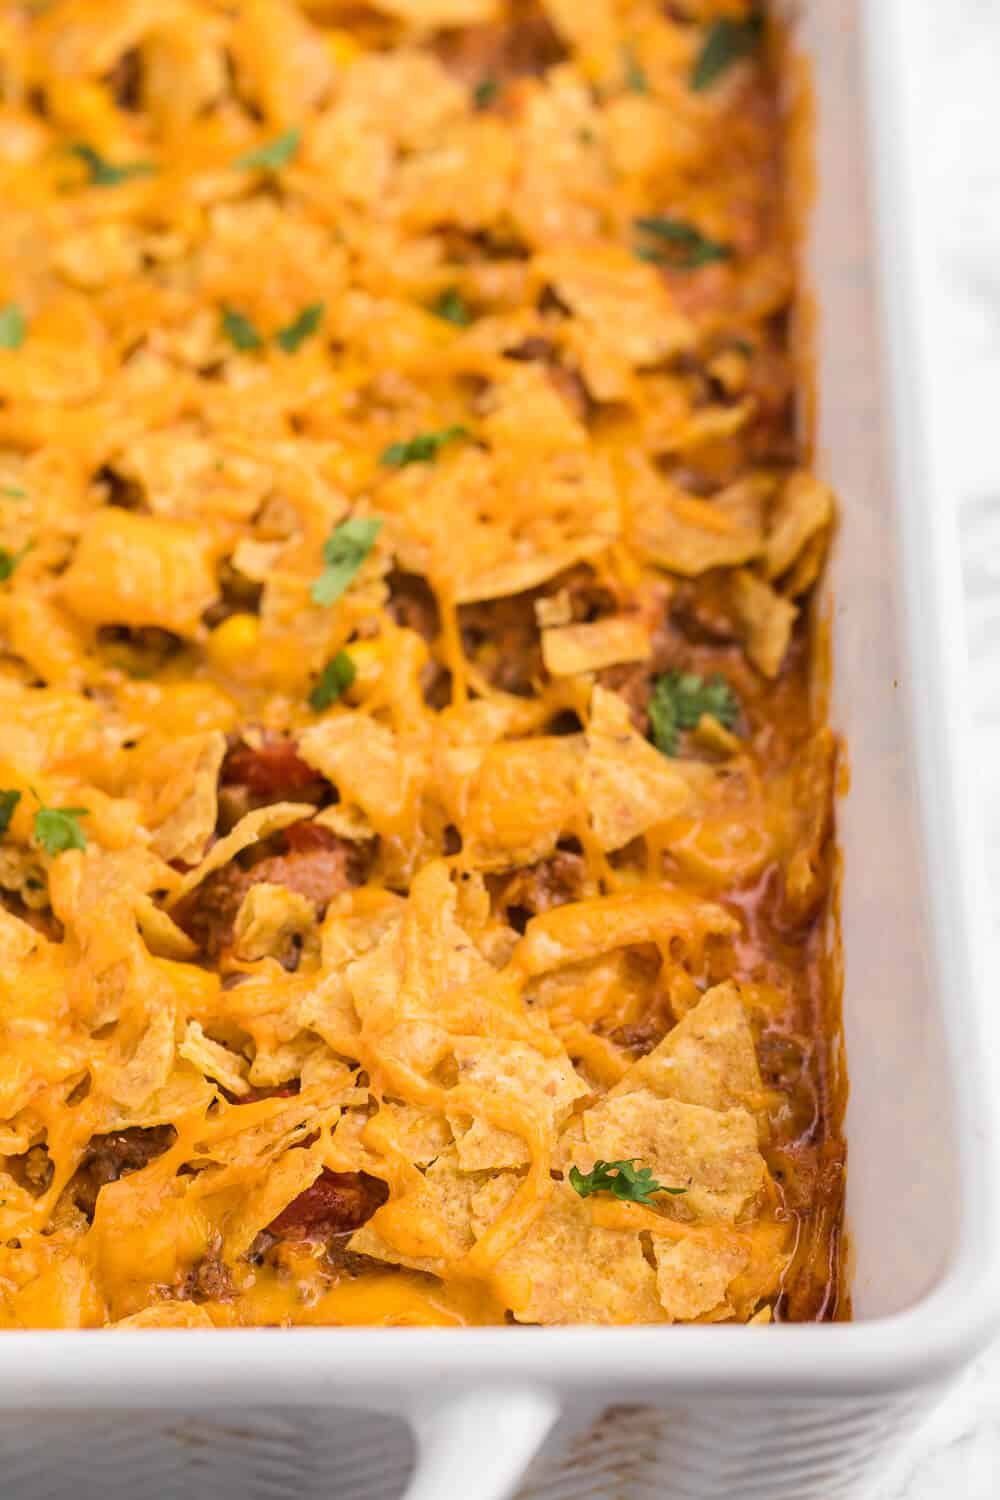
(957, 1456)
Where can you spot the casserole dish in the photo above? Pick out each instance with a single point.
(803, 1410)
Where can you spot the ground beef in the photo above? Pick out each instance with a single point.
(525, 47)
(412, 604)
(209, 1280)
(552, 882)
(305, 857)
(501, 637)
(337, 1203)
(109, 1157)
(272, 771)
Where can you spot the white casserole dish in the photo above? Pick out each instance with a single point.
(781, 1413)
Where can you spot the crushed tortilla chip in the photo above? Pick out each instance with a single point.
(766, 619)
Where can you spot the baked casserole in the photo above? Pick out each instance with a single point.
(415, 794)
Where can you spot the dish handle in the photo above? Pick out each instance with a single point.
(477, 1445)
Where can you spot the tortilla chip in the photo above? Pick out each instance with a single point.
(252, 827)
(681, 532)
(419, 1135)
(523, 798)
(214, 1060)
(585, 929)
(427, 1226)
(138, 571)
(693, 1275)
(564, 1269)
(620, 300)
(568, 649)
(708, 1058)
(181, 780)
(268, 919)
(543, 1087)
(132, 1082)
(367, 763)
(804, 508)
(167, 1315)
(284, 1180)
(529, 415)
(766, 619)
(626, 785)
(711, 1154)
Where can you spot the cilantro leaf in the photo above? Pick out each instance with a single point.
(453, 308)
(240, 331)
(8, 802)
(275, 155)
(58, 828)
(9, 561)
(635, 78)
(13, 327)
(680, 698)
(421, 449)
(622, 1179)
(485, 92)
(335, 678)
(13, 491)
(344, 550)
(104, 173)
(726, 42)
(301, 328)
(681, 245)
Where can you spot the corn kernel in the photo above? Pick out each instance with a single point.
(233, 641)
(343, 48)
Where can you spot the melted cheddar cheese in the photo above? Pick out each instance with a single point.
(413, 797)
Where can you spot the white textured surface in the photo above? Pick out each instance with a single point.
(957, 1453)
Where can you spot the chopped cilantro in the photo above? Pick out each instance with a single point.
(301, 328)
(344, 550)
(9, 561)
(681, 244)
(240, 331)
(335, 678)
(275, 155)
(623, 1179)
(13, 327)
(635, 79)
(485, 92)
(8, 802)
(58, 828)
(13, 492)
(420, 449)
(680, 699)
(453, 308)
(104, 173)
(726, 42)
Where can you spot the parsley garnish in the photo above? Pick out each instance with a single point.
(485, 92)
(635, 77)
(622, 1179)
(104, 173)
(452, 307)
(420, 449)
(344, 550)
(726, 42)
(8, 802)
(13, 492)
(301, 328)
(275, 155)
(680, 699)
(13, 327)
(682, 245)
(335, 678)
(9, 561)
(58, 828)
(240, 331)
